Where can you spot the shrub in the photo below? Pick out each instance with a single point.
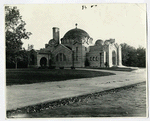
(42, 67)
(72, 67)
(52, 67)
(61, 67)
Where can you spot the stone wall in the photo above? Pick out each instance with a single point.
(96, 59)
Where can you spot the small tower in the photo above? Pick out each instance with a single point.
(56, 34)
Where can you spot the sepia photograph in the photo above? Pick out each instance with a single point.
(76, 60)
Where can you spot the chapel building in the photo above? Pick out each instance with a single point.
(75, 49)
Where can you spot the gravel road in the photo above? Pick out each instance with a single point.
(122, 102)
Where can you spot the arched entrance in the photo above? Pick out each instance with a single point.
(113, 58)
(43, 62)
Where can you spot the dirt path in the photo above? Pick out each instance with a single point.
(24, 95)
(122, 102)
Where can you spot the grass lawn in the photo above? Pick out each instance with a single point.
(28, 76)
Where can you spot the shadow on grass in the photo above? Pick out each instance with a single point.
(28, 76)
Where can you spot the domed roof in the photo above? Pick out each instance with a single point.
(76, 34)
(99, 42)
(52, 42)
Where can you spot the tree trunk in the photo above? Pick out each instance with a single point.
(16, 65)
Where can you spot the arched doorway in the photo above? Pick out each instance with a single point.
(43, 62)
(113, 58)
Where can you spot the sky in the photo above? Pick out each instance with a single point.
(126, 23)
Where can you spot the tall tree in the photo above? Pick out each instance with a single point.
(132, 56)
(129, 55)
(141, 56)
(14, 33)
(125, 53)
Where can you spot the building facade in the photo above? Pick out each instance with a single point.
(76, 49)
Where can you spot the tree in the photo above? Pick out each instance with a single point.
(141, 53)
(14, 33)
(132, 60)
(125, 53)
(132, 56)
(129, 55)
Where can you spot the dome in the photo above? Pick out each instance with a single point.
(76, 34)
(52, 42)
(99, 42)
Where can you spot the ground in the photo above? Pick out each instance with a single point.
(45, 97)
(129, 102)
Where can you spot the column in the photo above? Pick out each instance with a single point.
(120, 56)
(110, 56)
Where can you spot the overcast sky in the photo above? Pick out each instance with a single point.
(126, 23)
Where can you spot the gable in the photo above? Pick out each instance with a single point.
(61, 48)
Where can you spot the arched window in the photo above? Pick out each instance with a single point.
(60, 57)
(85, 49)
(90, 58)
(77, 49)
(96, 58)
(76, 53)
(93, 58)
(64, 57)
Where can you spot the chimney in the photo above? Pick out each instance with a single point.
(56, 34)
